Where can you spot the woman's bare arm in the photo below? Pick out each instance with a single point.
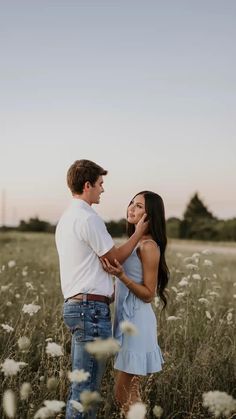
(150, 256)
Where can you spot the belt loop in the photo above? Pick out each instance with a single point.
(85, 299)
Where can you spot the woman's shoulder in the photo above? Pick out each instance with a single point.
(150, 246)
(148, 242)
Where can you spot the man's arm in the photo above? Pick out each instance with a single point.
(150, 257)
(122, 252)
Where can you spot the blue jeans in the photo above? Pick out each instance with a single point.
(87, 321)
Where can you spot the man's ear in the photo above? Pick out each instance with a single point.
(87, 186)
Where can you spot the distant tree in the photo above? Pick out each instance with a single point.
(198, 221)
(116, 228)
(226, 229)
(35, 224)
(173, 227)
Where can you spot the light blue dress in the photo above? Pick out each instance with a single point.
(139, 354)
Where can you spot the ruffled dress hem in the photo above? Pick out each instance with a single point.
(139, 363)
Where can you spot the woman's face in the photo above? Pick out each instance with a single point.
(136, 209)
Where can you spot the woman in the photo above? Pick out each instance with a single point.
(142, 275)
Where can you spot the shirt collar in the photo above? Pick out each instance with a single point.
(82, 204)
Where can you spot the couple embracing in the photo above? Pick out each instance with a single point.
(88, 261)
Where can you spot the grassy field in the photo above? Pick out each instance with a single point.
(196, 331)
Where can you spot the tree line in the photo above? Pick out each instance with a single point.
(198, 223)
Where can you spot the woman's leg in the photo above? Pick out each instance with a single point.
(127, 389)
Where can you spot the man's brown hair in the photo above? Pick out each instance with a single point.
(82, 171)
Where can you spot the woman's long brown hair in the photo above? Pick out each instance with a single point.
(155, 210)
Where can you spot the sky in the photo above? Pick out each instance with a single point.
(146, 89)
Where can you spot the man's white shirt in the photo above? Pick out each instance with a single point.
(81, 238)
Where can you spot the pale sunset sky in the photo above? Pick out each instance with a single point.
(147, 89)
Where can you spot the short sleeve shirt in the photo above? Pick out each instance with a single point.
(81, 238)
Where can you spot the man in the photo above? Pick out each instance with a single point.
(81, 239)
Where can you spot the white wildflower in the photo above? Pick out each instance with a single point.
(43, 413)
(207, 262)
(9, 403)
(77, 406)
(229, 318)
(54, 405)
(192, 267)
(103, 348)
(172, 318)
(11, 367)
(5, 287)
(203, 300)
(157, 301)
(29, 285)
(206, 252)
(219, 403)
(25, 391)
(23, 343)
(157, 411)
(17, 295)
(137, 411)
(214, 294)
(183, 282)
(208, 315)
(234, 295)
(30, 309)
(50, 408)
(78, 376)
(89, 399)
(196, 276)
(54, 349)
(8, 328)
(188, 259)
(128, 328)
(174, 289)
(196, 255)
(11, 263)
(180, 295)
(52, 383)
(9, 304)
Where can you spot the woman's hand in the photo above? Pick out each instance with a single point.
(142, 225)
(115, 269)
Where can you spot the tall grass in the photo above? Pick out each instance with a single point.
(197, 338)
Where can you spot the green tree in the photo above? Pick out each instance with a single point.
(173, 227)
(198, 221)
(35, 224)
(117, 228)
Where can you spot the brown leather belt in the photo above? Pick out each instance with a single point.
(91, 297)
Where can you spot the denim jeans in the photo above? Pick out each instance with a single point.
(87, 320)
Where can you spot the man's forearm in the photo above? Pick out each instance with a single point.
(123, 251)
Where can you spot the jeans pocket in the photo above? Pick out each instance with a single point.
(75, 322)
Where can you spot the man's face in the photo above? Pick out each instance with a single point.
(96, 190)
